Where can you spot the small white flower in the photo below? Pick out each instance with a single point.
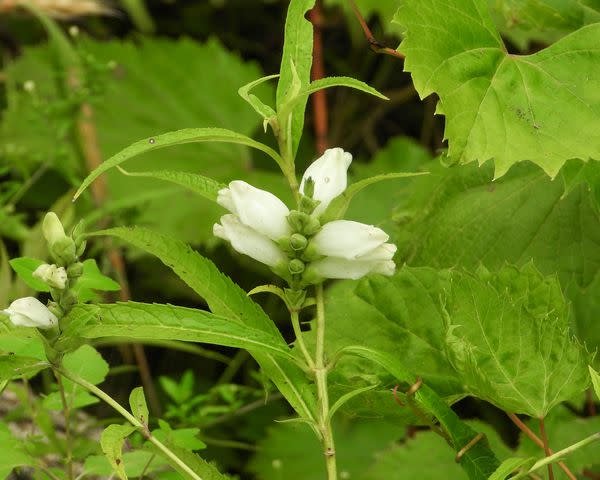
(55, 277)
(30, 312)
(348, 239)
(248, 241)
(329, 174)
(258, 209)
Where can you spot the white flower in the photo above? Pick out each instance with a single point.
(348, 239)
(329, 174)
(258, 209)
(248, 241)
(55, 277)
(30, 312)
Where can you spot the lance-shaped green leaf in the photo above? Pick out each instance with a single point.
(137, 402)
(256, 103)
(297, 55)
(328, 82)
(340, 204)
(509, 465)
(169, 322)
(227, 299)
(509, 339)
(204, 186)
(497, 105)
(112, 440)
(187, 135)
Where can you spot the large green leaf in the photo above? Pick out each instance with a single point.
(463, 218)
(500, 106)
(157, 86)
(17, 366)
(169, 322)
(292, 450)
(509, 338)
(226, 299)
(401, 316)
(297, 54)
(409, 458)
(542, 21)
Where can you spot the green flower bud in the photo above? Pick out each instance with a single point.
(52, 229)
(80, 245)
(298, 242)
(75, 270)
(303, 223)
(64, 251)
(308, 205)
(296, 266)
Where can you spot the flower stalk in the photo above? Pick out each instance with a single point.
(321, 372)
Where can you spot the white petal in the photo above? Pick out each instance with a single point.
(329, 172)
(348, 239)
(342, 268)
(383, 252)
(256, 208)
(225, 199)
(30, 312)
(248, 241)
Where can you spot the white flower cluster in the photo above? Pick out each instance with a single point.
(261, 226)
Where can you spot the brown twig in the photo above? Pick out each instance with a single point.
(319, 98)
(539, 442)
(376, 46)
(589, 401)
(547, 450)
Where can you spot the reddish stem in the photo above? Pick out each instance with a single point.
(547, 450)
(539, 442)
(376, 46)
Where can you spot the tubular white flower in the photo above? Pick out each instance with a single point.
(30, 312)
(342, 268)
(256, 208)
(248, 241)
(329, 173)
(348, 239)
(55, 277)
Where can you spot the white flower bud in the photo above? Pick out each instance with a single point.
(258, 209)
(52, 229)
(329, 174)
(30, 312)
(348, 239)
(341, 268)
(248, 241)
(55, 277)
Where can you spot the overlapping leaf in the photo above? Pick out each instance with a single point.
(509, 338)
(500, 106)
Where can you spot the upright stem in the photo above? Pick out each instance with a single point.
(321, 371)
(133, 420)
(67, 415)
(547, 450)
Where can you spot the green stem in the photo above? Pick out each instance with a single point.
(131, 419)
(321, 371)
(284, 140)
(300, 340)
(67, 415)
(562, 453)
